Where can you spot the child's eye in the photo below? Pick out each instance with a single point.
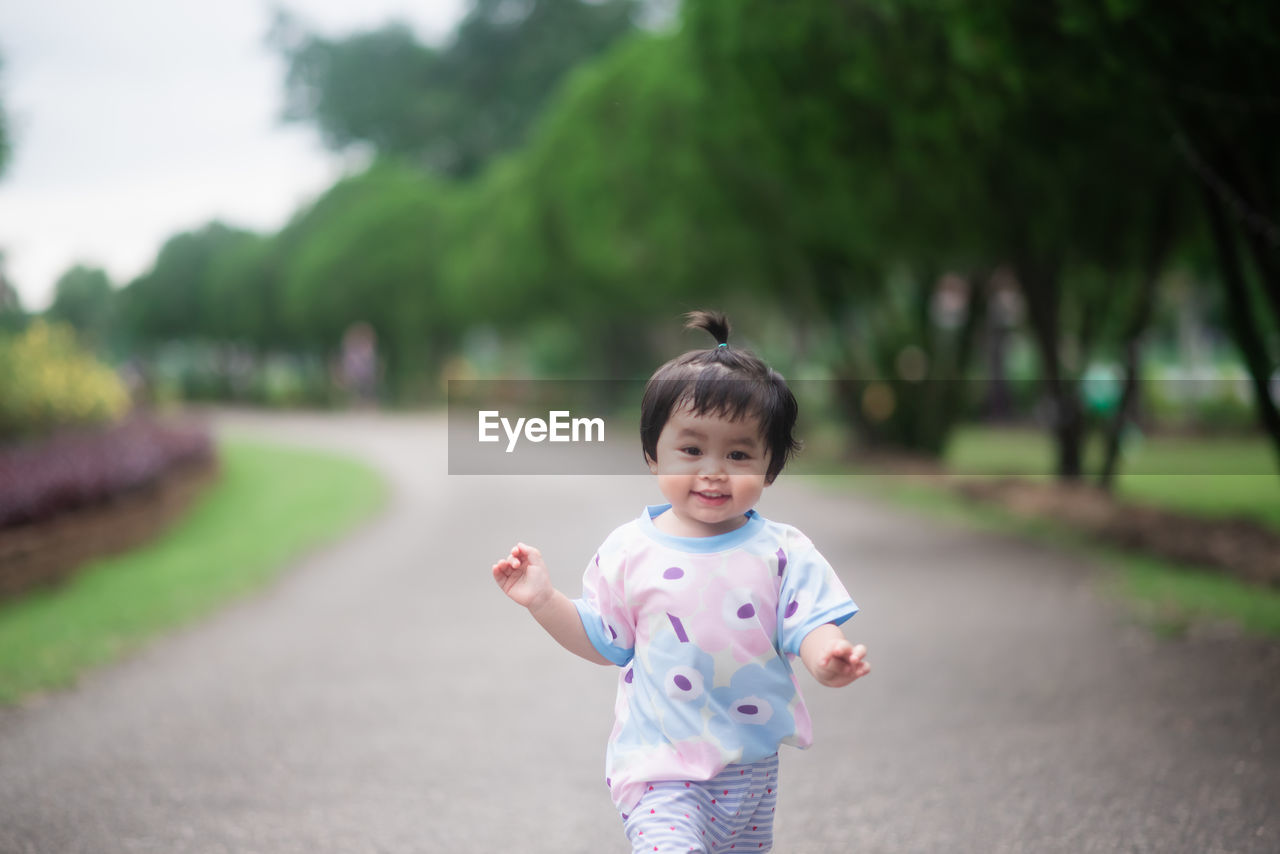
(739, 456)
(691, 450)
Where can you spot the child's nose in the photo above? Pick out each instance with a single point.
(711, 466)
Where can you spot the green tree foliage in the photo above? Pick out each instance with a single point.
(83, 299)
(182, 295)
(371, 88)
(630, 223)
(1203, 77)
(496, 269)
(837, 137)
(451, 109)
(6, 144)
(243, 294)
(877, 137)
(12, 316)
(369, 250)
(864, 169)
(1100, 93)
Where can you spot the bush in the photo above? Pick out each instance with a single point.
(50, 382)
(1213, 398)
(205, 371)
(41, 479)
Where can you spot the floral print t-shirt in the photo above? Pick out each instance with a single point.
(704, 629)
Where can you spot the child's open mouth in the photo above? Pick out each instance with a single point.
(714, 499)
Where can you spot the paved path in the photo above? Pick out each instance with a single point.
(385, 697)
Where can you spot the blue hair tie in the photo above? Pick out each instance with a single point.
(725, 344)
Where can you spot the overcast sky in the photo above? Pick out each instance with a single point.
(135, 119)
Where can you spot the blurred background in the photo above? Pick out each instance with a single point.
(1039, 239)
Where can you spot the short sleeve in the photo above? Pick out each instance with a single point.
(811, 595)
(603, 608)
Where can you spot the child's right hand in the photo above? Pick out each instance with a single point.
(523, 576)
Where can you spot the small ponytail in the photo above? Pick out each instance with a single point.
(713, 322)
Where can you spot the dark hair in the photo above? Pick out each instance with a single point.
(724, 381)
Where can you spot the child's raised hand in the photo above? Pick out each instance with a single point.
(523, 576)
(841, 663)
(832, 660)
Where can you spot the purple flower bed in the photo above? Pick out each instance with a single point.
(44, 478)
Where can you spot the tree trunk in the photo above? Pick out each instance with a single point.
(1242, 197)
(1245, 332)
(951, 395)
(1126, 405)
(1268, 264)
(1040, 289)
(1160, 241)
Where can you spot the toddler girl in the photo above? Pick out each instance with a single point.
(703, 604)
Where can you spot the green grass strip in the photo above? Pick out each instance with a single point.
(1206, 476)
(1173, 599)
(1170, 598)
(269, 506)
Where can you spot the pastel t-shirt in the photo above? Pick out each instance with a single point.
(704, 629)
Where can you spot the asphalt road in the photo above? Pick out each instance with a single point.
(383, 696)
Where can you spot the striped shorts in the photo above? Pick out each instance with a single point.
(731, 812)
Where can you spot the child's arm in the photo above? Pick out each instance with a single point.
(832, 660)
(523, 576)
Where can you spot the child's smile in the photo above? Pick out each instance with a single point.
(711, 469)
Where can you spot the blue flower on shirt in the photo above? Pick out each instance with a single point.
(682, 676)
(753, 711)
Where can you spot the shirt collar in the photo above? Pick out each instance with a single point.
(706, 545)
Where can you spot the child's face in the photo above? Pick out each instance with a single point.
(712, 470)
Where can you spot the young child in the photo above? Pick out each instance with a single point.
(703, 603)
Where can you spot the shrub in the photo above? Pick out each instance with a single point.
(41, 479)
(194, 370)
(50, 382)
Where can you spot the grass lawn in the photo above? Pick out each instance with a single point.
(1234, 476)
(269, 506)
(1209, 476)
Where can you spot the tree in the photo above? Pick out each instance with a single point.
(12, 316)
(885, 143)
(83, 297)
(370, 88)
(835, 135)
(242, 294)
(6, 150)
(631, 223)
(370, 250)
(175, 298)
(1200, 74)
(450, 109)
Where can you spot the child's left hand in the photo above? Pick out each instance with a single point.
(842, 664)
(831, 659)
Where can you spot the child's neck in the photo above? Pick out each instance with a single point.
(668, 522)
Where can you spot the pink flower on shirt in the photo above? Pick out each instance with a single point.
(739, 609)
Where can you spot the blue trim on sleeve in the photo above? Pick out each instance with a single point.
(595, 633)
(837, 615)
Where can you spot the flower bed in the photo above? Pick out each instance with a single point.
(76, 496)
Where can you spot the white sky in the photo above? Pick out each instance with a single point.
(133, 120)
